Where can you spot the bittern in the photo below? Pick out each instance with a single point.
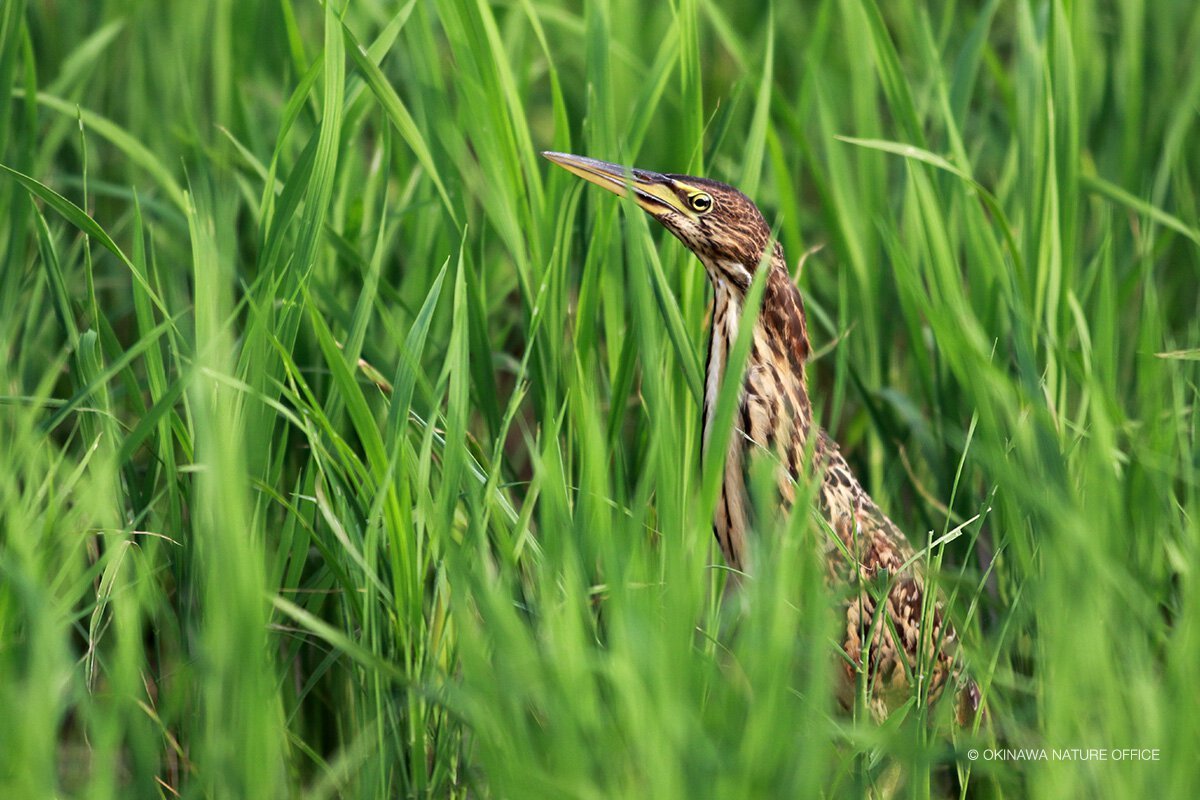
(727, 232)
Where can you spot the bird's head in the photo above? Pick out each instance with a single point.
(717, 222)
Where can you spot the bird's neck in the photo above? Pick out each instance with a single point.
(779, 349)
(774, 415)
(726, 320)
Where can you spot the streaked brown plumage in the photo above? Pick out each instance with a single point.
(728, 234)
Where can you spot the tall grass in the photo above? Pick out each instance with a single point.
(349, 450)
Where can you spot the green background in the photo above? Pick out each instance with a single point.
(350, 449)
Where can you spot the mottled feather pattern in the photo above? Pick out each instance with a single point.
(775, 414)
(871, 562)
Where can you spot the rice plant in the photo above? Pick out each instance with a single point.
(349, 449)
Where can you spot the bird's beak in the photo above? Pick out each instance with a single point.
(650, 190)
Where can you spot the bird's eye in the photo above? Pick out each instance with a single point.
(700, 202)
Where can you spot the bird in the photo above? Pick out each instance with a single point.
(911, 641)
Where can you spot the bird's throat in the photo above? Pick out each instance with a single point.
(773, 415)
(726, 317)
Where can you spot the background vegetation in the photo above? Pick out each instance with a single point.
(347, 449)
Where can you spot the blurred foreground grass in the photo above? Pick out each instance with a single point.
(346, 450)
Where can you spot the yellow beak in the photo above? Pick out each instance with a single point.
(650, 190)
